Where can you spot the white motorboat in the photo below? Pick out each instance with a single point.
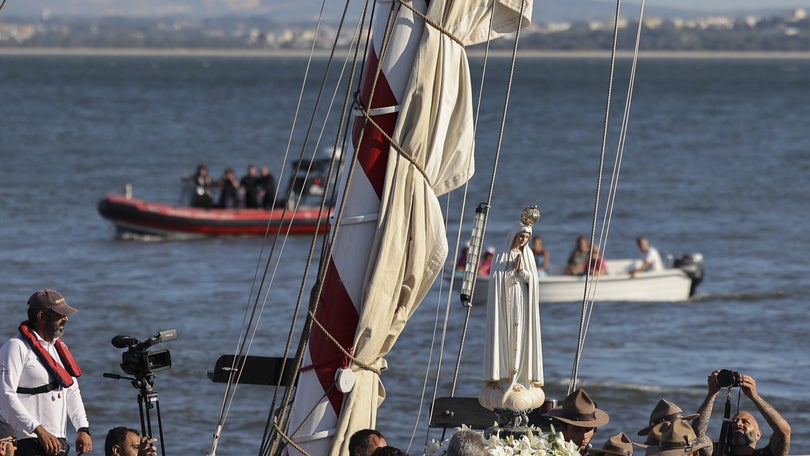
(676, 283)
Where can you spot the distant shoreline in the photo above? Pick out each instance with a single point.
(473, 53)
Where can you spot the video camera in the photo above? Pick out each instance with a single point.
(137, 360)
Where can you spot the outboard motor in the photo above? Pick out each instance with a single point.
(692, 265)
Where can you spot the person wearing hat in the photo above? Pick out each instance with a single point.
(666, 411)
(38, 374)
(541, 256)
(744, 432)
(675, 438)
(7, 441)
(485, 265)
(618, 445)
(578, 418)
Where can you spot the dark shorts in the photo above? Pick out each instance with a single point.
(31, 447)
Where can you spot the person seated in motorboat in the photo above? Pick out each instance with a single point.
(597, 266)
(541, 256)
(485, 266)
(202, 191)
(461, 261)
(578, 257)
(650, 258)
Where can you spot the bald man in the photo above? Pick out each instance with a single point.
(744, 432)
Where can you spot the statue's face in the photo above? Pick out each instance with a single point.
(521, 239)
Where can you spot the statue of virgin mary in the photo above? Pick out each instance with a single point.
(513, 360)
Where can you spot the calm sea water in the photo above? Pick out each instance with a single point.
(716, 162)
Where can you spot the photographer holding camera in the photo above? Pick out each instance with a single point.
(743, 430)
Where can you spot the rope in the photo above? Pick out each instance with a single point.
(431, 22)
(590, 291)
(326, 253)
(587, 304)
(254, 315)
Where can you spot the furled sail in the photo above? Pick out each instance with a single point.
(391, 243)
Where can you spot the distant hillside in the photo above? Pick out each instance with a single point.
(298, 10)
(768, 33)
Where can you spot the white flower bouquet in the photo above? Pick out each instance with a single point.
(534, 443)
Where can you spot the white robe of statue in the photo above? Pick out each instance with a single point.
(513, 360)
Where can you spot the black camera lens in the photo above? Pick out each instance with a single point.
(728, 378)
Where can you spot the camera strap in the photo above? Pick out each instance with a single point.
(722, 443)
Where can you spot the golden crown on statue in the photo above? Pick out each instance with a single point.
(530, 215)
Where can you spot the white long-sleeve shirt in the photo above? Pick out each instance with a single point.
(20, 366)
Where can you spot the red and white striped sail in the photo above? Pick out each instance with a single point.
(391, 242)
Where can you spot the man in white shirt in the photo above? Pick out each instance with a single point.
(650, 258)
(39, 389)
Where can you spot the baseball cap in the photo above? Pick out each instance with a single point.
(46, 299)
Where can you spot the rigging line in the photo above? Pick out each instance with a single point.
(614, 182)
(315, 296)
(586, 306)
(476, 254)
(248, 319)
(608, 216)
(468, 310)
(311, 320)
(288, 436)
(464, 201)
(502, 127)
(322, 211)
(476, 117)
(433, 347)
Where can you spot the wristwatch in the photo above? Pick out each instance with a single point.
(86, 430)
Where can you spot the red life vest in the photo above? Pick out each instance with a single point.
(63, 374)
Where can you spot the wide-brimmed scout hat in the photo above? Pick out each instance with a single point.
(665, 411)
(46, 299)
(578, 409)
(618, 445)
(675, 438)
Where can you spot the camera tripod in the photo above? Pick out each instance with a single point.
(148, 399)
